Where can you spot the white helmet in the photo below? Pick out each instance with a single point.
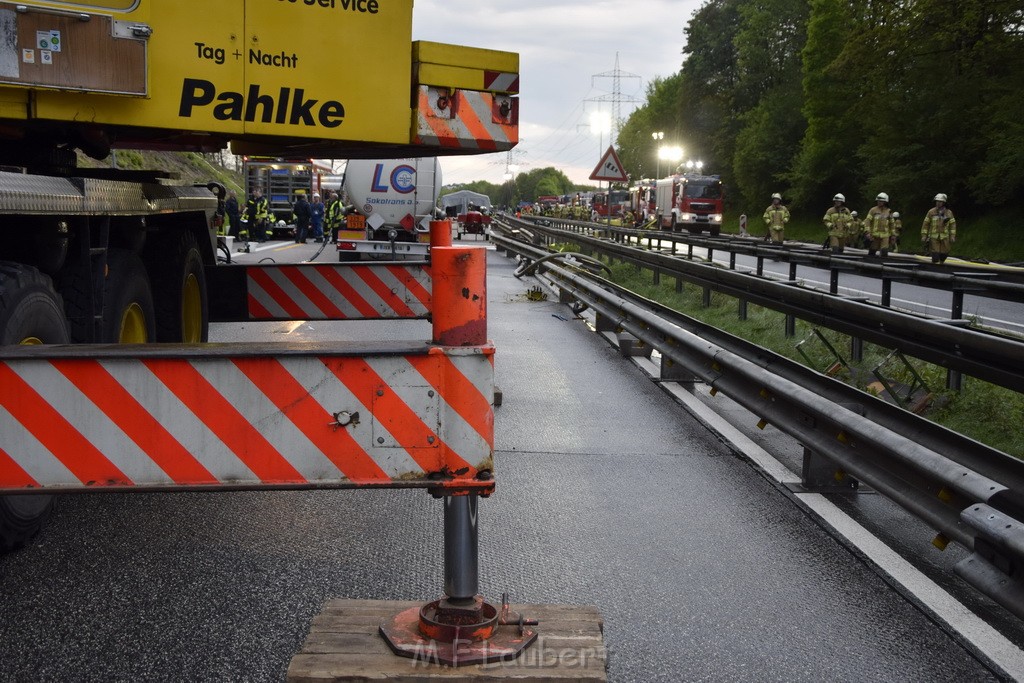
(282, 224)
(940, 197)
(853, 213)
(777, 196)
(839, 198)
(895, 214)
(882, 197)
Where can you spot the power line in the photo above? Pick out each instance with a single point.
(615, 96)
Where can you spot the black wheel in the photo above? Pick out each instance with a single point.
(128, 316)
(30, 313)
(177, 275)
(30, 310)
(21, 519)
(716, 231)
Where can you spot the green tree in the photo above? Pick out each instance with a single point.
(768, 95)
(708, 109)
(827, 161)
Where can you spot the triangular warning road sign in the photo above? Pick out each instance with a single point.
(609, 168)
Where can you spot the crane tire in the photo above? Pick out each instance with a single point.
(30, 313)
(177, 274)
(30, 310)
(128, 315)
(21, 519)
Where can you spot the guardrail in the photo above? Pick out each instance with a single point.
(969, 493)
(945, 342)
(978, 280)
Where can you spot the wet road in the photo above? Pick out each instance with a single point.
(608, 494)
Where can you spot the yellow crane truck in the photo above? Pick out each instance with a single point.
(104, 255)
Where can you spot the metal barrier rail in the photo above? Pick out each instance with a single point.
(972, 279)
(969, 493)
(948, 343)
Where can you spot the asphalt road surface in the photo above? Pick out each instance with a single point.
(608, 494)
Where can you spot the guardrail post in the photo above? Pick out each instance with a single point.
(856, 349)
(821, 474)
(732, 260)
(833, 280)
(705, 299)
(954, 379)
(742, 304)
(603, 323)
(672, 371)
(790, 330)
(760, 266)
(886, 292)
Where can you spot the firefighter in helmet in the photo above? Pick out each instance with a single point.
(837, 222)
(938, 231)
(853, 230)
(878, 226)
(775, 217)
(897, 229)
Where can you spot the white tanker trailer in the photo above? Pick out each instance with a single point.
(390, 203)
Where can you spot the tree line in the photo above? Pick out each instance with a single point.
(526, 186)
(813, 97)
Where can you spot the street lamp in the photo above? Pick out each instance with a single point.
(672, 154)
(658, 136)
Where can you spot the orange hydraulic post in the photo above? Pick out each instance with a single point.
(441, 233)
(460, 295)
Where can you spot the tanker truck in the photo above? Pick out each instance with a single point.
(390, 203)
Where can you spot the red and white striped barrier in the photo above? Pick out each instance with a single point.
(228, 418)
(338, 292)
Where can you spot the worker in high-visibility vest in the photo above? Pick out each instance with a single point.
(334, 216)
(878, 226)
(775, 217)
(837, 222)
(938, 231)
(257, 211)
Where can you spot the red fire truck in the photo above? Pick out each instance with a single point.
(618, 200)
(643, 199)
(690, 201)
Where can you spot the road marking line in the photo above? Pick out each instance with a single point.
(1000, 651)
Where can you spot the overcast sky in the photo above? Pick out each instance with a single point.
(563, 46)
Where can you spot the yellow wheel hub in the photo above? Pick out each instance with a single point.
(31, 341)
(191, 311)
(133, 326)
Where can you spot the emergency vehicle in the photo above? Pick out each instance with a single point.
(613, 203)
(281, 181)
(391, 204)
(690, 202)
(643, 199)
